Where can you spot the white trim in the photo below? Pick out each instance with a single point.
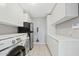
(39, 43)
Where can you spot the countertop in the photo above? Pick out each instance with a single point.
(11, 35)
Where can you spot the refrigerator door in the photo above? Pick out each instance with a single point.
(31, 36)
(31, 41)
(31, 27)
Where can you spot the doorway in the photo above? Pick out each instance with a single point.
(39, 30)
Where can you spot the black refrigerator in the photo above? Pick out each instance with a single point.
(30, 28)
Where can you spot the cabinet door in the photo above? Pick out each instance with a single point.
(11, 14)
(58, 12)
(69, 48)
(51, 28)
(15, 14)
(52, 45)
(71, 9)
(3, 13)
(65, 11)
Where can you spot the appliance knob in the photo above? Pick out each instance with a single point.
(13, 41)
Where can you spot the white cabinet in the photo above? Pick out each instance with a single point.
(27, 18)
(12, 14)
(61, 12)
(51, 28)
(8, 14)
(15, 14)
(69, 48)
(63, 46)
(64, 11)
(52, 44)
(3, 14)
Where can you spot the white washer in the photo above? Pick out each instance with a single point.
(9, 44)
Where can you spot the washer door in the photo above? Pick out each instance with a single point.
(17, 51)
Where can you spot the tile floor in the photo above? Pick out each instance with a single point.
(39, 50)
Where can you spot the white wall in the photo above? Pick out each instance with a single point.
(67, 29)
(41, 23)
(6, 29)
(51, 28)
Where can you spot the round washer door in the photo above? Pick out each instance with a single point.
(17, 51)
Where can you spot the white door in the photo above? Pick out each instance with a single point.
(39, 23)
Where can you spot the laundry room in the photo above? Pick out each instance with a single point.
(39, 29)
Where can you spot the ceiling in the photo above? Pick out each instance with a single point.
(37, 9)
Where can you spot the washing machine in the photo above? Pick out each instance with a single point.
(25, 39)
(14, 46)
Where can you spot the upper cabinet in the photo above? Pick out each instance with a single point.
(3, 13)
(15, 14)
(12, 14)
(51, 27)
(27, 18)
(63, 12)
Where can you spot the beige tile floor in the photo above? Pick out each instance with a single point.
(39, 50)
